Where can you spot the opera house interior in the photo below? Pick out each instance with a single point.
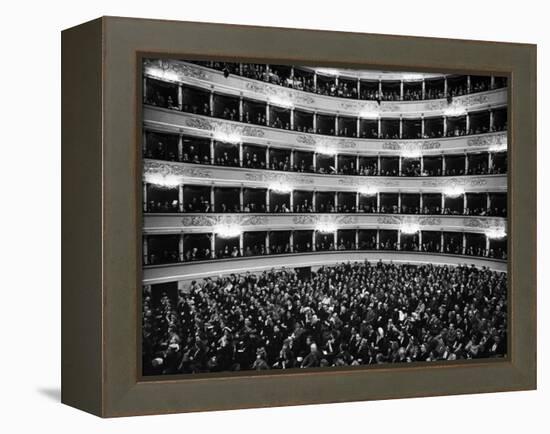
(303, 217)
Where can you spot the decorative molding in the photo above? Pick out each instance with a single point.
(429, 221)
(221, 127)
(484, 223)
(174, 223)
(346, 144)
(389, 220)
(270, 90)
(488, 140)
(411, 146)
(283, 178)
(180, 71)
(167, 169)
(455, 182)
(358, 182)
(160, 119)
(174, 71)
(305, 219)
(308, 140)
(241, 220)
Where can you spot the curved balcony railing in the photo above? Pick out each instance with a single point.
(164, 120)
(207, 223)
(333, 100)
(201, 269)
(171, 174)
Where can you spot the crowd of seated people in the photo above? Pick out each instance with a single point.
(389, 209)
(301, 166)
(280, 208)
(476, 210)
(346, 208)
(387, 245)
(431, 209)
(345, 315)
(498, 253)
(193, 156)
(390, 171)
(253, 161)
(452, 247)
(278, 123)
(475, 251)
(326, 170)
(280, 164)
(495, 211)
(161, 152)
(256, 160)
(455, 171)
(232, 113)
(159, 100)
(164, 257)
(368, 170)
(430, 246)
(197, 204)
(453, 211)
(259, 119)
(253, 207)
(306, 83)
(431, 171)
(163, 206)
(367, 208)
(346, 169)
(255, 250)
(409, 209)
(197, 254)
(412, 169)
(495, 169)
(225, 160)
(412, 94)
(303, 207)
(204, 109)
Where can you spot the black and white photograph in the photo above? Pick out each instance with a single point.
(311, 217)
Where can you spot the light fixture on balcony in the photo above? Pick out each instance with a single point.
(498, 147)
(410, 228)
(325, 150)
(166, 181)
(163, 74)
(280, 187)
(227, 137)
(281, 102)
(368, 114)
(366, 190)
(411, 153)
(412, 77)
(496, 233)
(326, 227)
(455, 191)
(455, 111)
(327, 71)
(227, 231)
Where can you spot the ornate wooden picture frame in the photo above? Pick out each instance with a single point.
(104, 202)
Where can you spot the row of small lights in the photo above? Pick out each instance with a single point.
(287, 103)
(232, 230)
(169, 181)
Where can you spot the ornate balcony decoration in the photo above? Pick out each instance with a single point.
(170, 121)
(187, 173)
(200, 223)
(234, 85)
